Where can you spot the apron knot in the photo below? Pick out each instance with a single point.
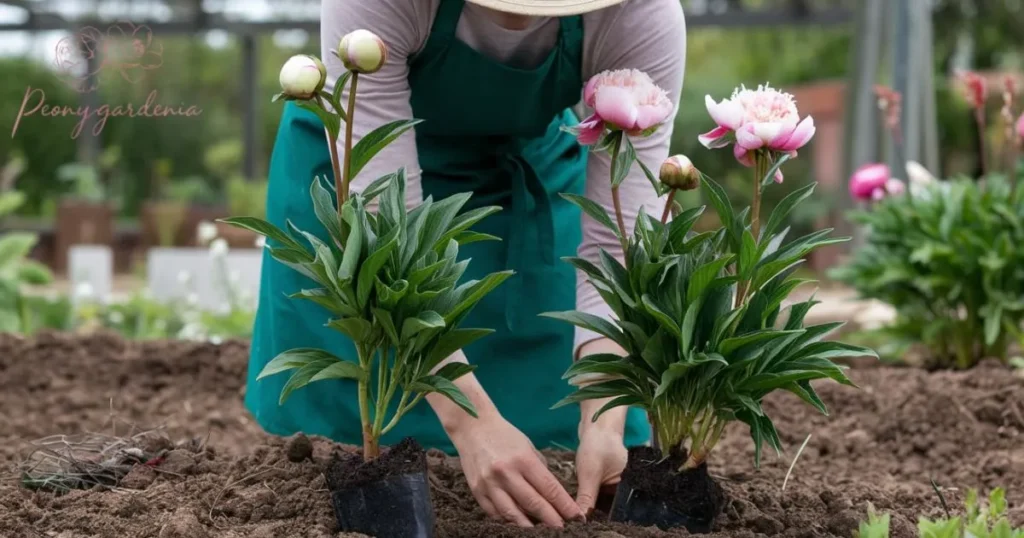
(531, 210)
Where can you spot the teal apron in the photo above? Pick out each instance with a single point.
(488, 129)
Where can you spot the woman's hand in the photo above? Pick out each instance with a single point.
(601, 455)
(507, 475)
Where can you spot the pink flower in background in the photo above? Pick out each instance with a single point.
(895, 187)
(761, 119)
(868, 179)
(975, 89)
(1020, 126)
(626, 100)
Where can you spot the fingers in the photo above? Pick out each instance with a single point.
(532, 502)
(507, 509)
(551, 489)
(587, 490)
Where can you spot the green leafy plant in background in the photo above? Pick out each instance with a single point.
(947, 260)
(247, 197)
(17, 271)
(389, 281)
(980, 520)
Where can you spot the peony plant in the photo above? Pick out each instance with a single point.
(942, 254)
(390, 280)
(700, 315)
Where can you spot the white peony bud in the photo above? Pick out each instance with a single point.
(302, 76)
(362, 52)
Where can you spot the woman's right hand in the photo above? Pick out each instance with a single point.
(507, 475)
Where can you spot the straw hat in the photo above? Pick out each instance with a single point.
(546, 8)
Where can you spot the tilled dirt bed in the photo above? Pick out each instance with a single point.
(882, 444)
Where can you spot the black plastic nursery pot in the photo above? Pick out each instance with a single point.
(385, 498)
(653, 492)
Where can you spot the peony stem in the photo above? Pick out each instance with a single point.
(668, 205)
(979, 114)
(761, 169)
(343, 194)
(615, 196)
(334, 154)
(371, 444)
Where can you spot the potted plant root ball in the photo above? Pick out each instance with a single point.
(699, 315)
(389, 281)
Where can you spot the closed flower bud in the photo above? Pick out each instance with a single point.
(677, 172)
(362, 52)
(302, 76)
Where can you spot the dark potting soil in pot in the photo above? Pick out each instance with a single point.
(388, 497)
(655, 492)
(348, 470)
(881, 444)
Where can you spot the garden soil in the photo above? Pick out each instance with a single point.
(222, 477)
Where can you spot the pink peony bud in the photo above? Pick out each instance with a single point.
(867, 179)
(302, 76)
(362, 52)
(678, 172)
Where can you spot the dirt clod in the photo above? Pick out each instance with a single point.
(183, 524)
(299, 448)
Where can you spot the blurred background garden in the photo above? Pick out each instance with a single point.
(115, 216)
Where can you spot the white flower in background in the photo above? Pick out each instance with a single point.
(83, 290)
(918, 174)
(216, 340)
(260, 242)
(224, 309)
(184, 277)
(191, 331)
(206, 231)
(218, 248)
(192, 299)
(116, 317)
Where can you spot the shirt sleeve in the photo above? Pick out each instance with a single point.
(383, 96)
(649, 36)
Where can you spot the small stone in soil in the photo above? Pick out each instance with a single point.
(140, 477)
(179, 461)
(183, 524)
(299, 448)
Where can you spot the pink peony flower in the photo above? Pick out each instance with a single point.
(868, 179)
(753, 120)
(626, 100)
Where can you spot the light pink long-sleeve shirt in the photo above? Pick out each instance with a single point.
(649, 35)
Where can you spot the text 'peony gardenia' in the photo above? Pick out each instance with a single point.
(624, 100)
(753, 120)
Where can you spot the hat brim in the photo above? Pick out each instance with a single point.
(546, 8)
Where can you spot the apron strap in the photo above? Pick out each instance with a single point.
(446, 21)
(530, 203)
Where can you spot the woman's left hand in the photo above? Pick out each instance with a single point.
(602, 454)
(600, 459)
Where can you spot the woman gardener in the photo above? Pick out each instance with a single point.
(495, 81)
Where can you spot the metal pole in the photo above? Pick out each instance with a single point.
(861, 109)
(249, 109)
(930, 151)
(901, 37)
